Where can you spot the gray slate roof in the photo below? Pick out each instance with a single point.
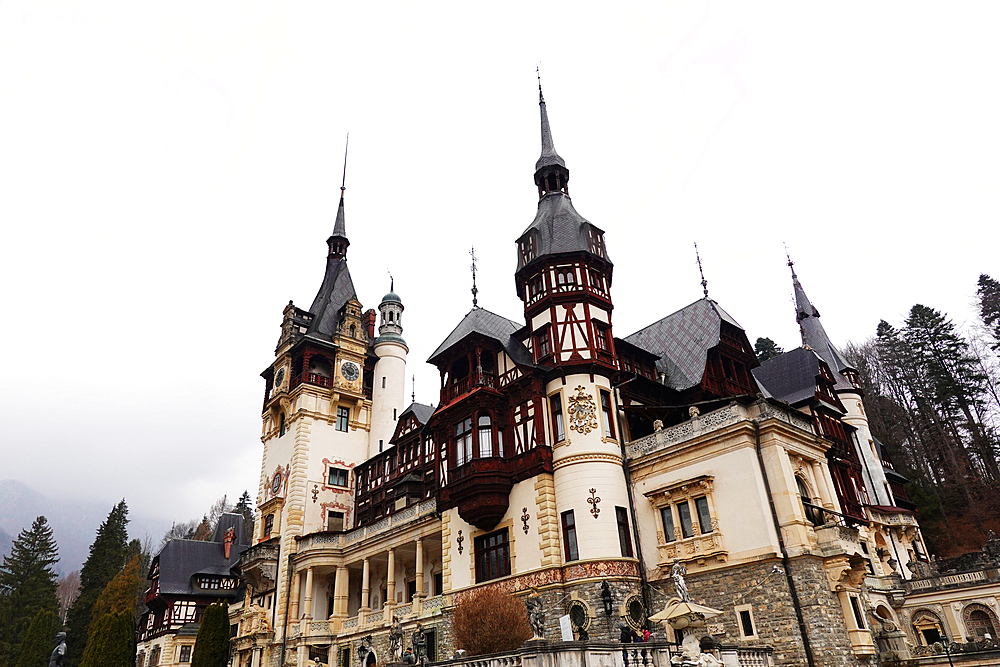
(790, 377)
(814, 335)
(682, 341)
(481, 321)
(559, 227)
(181, 560)
(549, 156)
(420, 411)
(337, 289)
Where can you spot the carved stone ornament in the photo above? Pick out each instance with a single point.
(582, 412)
(460, 539)
(524, 519)
(693, 411)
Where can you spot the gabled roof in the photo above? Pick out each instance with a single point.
(790, 377)
(180, 560)
(420, 411)
(682, 341)
(337, 289)
(483, 322)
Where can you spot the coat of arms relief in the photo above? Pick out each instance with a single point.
(582, 412)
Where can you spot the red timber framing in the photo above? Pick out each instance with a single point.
(488, 431)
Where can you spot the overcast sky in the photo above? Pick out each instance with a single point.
(169, 173)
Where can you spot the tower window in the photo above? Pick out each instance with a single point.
(704, 517)
(354, 331)
(609, 428)
(601, 336)
(667, 516)
(569, 536)
(281, 424)
(544, 343)
(343, 417)
(684, 513)
(383, 382)
(558, 431)
(624, 539)
(337, 477)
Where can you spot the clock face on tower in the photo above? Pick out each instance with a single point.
(279, 377)
(276, 484)
(350, 371)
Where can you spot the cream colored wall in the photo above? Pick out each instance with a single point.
(588, 460)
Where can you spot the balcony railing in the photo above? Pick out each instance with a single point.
(311, 378)
(463, 386)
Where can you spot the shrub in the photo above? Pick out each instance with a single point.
(211, 647)
(488, 621)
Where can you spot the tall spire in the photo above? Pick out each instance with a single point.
(811, 329)
(475, 290)
(338, 240)
(704, 283)
(551, 174)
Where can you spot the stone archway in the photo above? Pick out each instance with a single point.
(979, 621)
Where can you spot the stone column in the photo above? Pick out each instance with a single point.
(419, 594)
(308, 602)
(822, 485)
(340, 584)
(365, 587)
(390, 582)
(293, 613)
(255, 657)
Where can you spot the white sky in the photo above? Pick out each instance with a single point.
(169, 173)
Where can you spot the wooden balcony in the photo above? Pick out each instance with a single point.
(474, 380)
(311, 378)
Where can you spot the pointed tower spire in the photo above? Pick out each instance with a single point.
(704, 283)
(338, 240)
(475, 290)
(811, 329)
(551, 174)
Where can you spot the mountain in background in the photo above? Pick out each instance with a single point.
(74, 523)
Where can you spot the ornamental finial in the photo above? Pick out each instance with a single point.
(704, 283)
(475, 291)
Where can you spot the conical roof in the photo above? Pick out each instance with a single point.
(814, 335)
(549, 156)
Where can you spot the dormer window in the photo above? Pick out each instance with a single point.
(595, 241)
(526, 246)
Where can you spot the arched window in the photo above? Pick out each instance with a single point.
(281, 424)
(812, 515)
(485, 437)
(354, 331)
(319, 365)
(979, 621)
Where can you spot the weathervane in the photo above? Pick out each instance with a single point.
(413, 396)
(475, 291)
(343, 180)
(538, 73)
(791, 264)
(704, 283)
(392, 283)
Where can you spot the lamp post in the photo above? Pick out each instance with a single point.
(947, 649)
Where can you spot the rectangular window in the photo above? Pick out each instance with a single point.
(268, 525)
(667, 516)
(624, 538)
(704, 517)
(745, 615)
(544, 343)
(185, 653)
(485, 437)
(140, 660)
(601, 336)
(492, 556)
(338, 477)
(463, 442)
(154, 656)
(335, 521)
(684, 514)
(383, 383)
(569, 536)
(609, 427)
(438, 578)
(411, 590)
(343, 416)
(558, 432)
(859, 618)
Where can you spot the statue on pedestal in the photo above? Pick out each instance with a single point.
(56, 658)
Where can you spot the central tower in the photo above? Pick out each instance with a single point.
(563, 278)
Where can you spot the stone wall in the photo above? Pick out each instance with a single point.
(773, 613)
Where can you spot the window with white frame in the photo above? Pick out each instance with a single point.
(745, 621)
(688, 523)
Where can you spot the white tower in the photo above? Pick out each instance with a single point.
(389, 382)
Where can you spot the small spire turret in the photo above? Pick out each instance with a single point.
(551, 174)
(338, 242)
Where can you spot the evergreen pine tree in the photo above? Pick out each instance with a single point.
(118, 595)
(765, 348)
(107, 556)
(211, 647)
(989, 306)
(245, 507)
(28, 585)
(112, 644)
(39, 640)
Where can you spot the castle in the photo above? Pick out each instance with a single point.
(568, 460)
